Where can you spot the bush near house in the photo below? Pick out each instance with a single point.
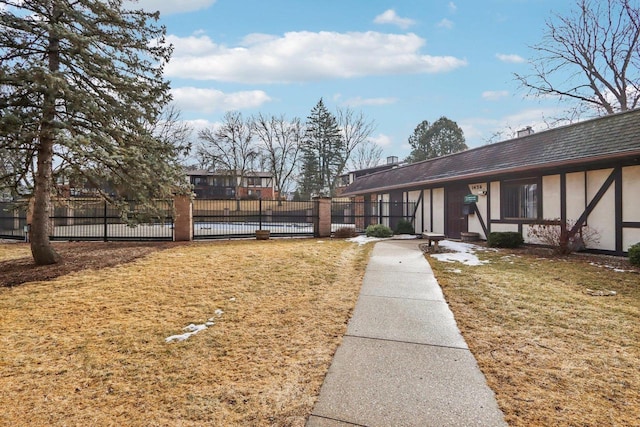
(345, 233)
(634, 254)
(505, 239)
(378, 230)
(405, 227)
(563, 236)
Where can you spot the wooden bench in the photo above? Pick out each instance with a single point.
(433, 237)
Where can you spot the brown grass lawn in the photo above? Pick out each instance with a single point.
(88, 348)
(554, 354)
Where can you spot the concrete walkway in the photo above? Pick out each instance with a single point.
(403, 361)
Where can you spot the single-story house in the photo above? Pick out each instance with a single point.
(587, 173)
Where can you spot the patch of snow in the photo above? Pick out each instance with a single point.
(454, 270)
(232, 299)
(610, 267)
(404, 237)
(462, 252)
(362, 240)
(192, 328)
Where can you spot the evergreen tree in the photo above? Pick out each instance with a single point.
(442, 137)
(322, 153)
(81, 88)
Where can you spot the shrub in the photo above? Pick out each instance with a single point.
(634, 254)
(405, 227)
(561, 236)
(505, 239)
(378, 230)
(345, 232)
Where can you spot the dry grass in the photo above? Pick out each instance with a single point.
(9, 251)
(89, 348)
(553, 354)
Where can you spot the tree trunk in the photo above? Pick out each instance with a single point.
(41, 249)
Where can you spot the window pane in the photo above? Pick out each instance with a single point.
(520, 199)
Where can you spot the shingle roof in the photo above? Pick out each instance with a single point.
(609, 137)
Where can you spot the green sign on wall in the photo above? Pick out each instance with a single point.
(470, 198)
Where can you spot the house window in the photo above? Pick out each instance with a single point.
(254, 181)
(520, 199)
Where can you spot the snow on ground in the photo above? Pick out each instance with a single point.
(193, 328)
(404, 237)
(362, 240)
(610, 267)
(460, 252)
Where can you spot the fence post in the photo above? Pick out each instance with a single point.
(183, 221)
(106, 223)
(260, 214)
(322, 223)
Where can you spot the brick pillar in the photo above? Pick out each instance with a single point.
(360, 213)
(322, 224)
(183, 221)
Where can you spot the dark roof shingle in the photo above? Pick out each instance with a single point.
(614, 136)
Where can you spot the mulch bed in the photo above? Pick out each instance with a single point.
(77, 256)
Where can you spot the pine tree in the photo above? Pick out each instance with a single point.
(323, 153)
(81, 88)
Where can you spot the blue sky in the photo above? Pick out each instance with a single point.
(399, 62)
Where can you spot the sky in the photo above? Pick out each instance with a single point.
(398, 62)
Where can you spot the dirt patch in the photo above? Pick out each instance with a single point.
(76, 256)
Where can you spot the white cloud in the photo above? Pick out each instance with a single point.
(304, 56)
(390, 16)
(359, 101)
(494, 95)
(445, 23)
(510, 58)
(168, 7)
(381, 140)
(212, 100)
(453, 8)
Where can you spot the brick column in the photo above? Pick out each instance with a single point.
(322, 224)
(183, 221)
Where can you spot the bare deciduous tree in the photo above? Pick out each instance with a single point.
(367, 155)
(356, 130)
(280, 139)
(591, 57)
(230, 148)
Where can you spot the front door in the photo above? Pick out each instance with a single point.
(456, 220)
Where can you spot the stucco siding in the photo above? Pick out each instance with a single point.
(414, 196)
(495, 200)
(551, 196)
(602, 218)
(504, 227)
(630, 236)
(480, 189)
(631, 194)
(575, 195)
(438, 210)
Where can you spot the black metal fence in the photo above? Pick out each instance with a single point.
(93, 219)
(361, 214)
(13, 220)
(216, 219)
